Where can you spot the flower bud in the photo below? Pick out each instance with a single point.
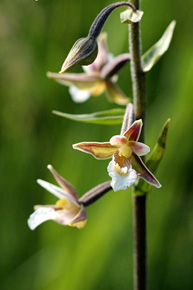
(83, 52)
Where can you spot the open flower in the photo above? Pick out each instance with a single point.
(99, 76)
(125, 150)
(67, 210)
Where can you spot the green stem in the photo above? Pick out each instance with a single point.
(139, 100)
(140, 267)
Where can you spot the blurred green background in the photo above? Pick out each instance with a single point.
(35, 37)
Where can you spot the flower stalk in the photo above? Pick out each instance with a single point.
(101, 18)
(137, 74)
(139, 201)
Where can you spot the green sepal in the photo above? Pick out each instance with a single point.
(131, 16)
(154, 160)
(109, 117)
(153, 54)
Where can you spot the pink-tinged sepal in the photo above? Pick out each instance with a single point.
(98, 150)
(67, 186)
(81, 81)
(143, 171)
(133, 133)
(139, 148)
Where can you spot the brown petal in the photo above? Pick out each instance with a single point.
(98, 150)
(143, 171)
(67, 186)
(133, 133)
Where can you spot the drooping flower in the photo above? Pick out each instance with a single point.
(84, 50)
(125, 150)
(98, 77)
(67, 210)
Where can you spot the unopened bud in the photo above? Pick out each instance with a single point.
(83, 52)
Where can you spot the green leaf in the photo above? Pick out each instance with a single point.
(159, 48)
(130, 16)
(154, 159)
(109, 117)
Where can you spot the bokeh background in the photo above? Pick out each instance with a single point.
(35, 37)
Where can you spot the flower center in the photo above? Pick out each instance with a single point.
(125, 151)
(123, 144)
(61, 202)
(120, 170)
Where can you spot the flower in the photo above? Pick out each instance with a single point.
(125, 150)
(98, 77)
(67, 210)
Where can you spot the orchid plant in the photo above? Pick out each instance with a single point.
(128, 167)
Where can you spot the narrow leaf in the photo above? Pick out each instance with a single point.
(154, 159)
(131, 16)
(159, 48)
(109, 117)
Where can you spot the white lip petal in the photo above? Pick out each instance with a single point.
(41, 215)
(79, 96)
(126, 178)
